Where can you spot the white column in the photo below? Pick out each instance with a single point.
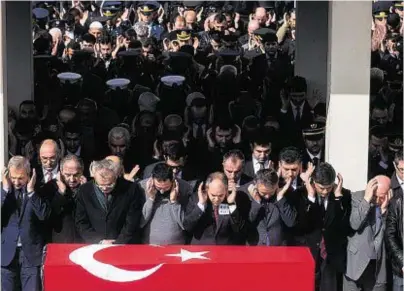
(348, 103)
(3, 89)
(18, 33)
(312, 45)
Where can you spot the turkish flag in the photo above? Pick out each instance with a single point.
(177, 268)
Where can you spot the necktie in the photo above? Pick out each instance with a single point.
(261, 164)
(322, 206)
(199, 132)
(19, 198)
(216, 214)
(315, 161)
(297, 118)
(323, 251)
(48, 176)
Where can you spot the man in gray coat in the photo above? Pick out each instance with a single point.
(163, 212)
(366, 254)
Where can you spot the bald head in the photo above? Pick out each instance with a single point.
(190, 17)
(253, 25)
(56, 34)
(383, 185)
(261, 15)
(49, 154)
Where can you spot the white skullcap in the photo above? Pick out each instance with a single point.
(96, 25)
(148, 102)
(55, 32)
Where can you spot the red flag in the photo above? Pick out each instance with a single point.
(177, 268)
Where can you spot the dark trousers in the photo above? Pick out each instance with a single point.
(19, 275)
(366, 282)
(327, 277)
(397, 283)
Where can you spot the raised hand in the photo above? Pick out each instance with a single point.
(285, 100)
(231, 199)
(338, 187)
(210, 139)
(6, 180)
(132, 174)
(252, 189)
(386, 201)
(284, 189)
(60, 184)
(32, 181)
(151, 191)
(307, 175)
(174, 192)
(202, 195)
(83, 180)
(237, 136)
(370, 190)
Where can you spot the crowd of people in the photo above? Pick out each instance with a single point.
(183, 123)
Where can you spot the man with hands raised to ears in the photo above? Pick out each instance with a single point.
(270, 211)
(163, 212)
(327, 216)
(366, 253)
(212, 216)
(23, 213)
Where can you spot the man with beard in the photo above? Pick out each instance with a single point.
(313, 137)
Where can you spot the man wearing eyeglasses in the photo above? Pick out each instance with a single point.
(108, 209)
(49, 157)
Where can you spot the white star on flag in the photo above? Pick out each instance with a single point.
(187, 255)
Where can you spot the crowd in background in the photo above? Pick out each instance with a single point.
(182, 122)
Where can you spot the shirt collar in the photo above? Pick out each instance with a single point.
(54, 171)
(301, 106)
(312, 156)
(77, 153)
(400, 182)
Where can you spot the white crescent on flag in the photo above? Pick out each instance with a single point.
(84, 257)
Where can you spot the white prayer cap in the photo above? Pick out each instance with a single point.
(171, 80)
(55, 32)
(69, 77)
(118, 83)
(96, 25)
(69, 34)
(148, 102)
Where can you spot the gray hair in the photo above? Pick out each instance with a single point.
(216, 176)
(76, 159)
(103, 166)
(55, 144)
(267, 177)
(19, 162)
(234, 156)
(119, 133)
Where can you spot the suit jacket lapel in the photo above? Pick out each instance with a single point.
(24, 205)
(330, 212)
(99, 196)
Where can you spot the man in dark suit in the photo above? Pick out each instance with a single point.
(261, 147)
(296, 112)
(328, 239)
(212, 217)
(313, 137)
(233, 162)
(108, 208)
(175, 157)
(397, 180)
(22, 215)
(61, 193)
(270, 211)
(366, 254)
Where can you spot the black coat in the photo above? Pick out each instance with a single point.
(202, 226)
(120, 221)
(394, 233)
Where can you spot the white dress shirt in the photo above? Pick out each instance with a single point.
(257, 165)
(401, 182)
(54, 174)
(318, 156)
(295, 109)
(313, 199)
(77, 153)
(195, 129)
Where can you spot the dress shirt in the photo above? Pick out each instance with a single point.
(257, 165)
(195, 129)
(202, 207)
(313, 200)
(54, 173)
(77, 153)
(318, 156)
(294, 108)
